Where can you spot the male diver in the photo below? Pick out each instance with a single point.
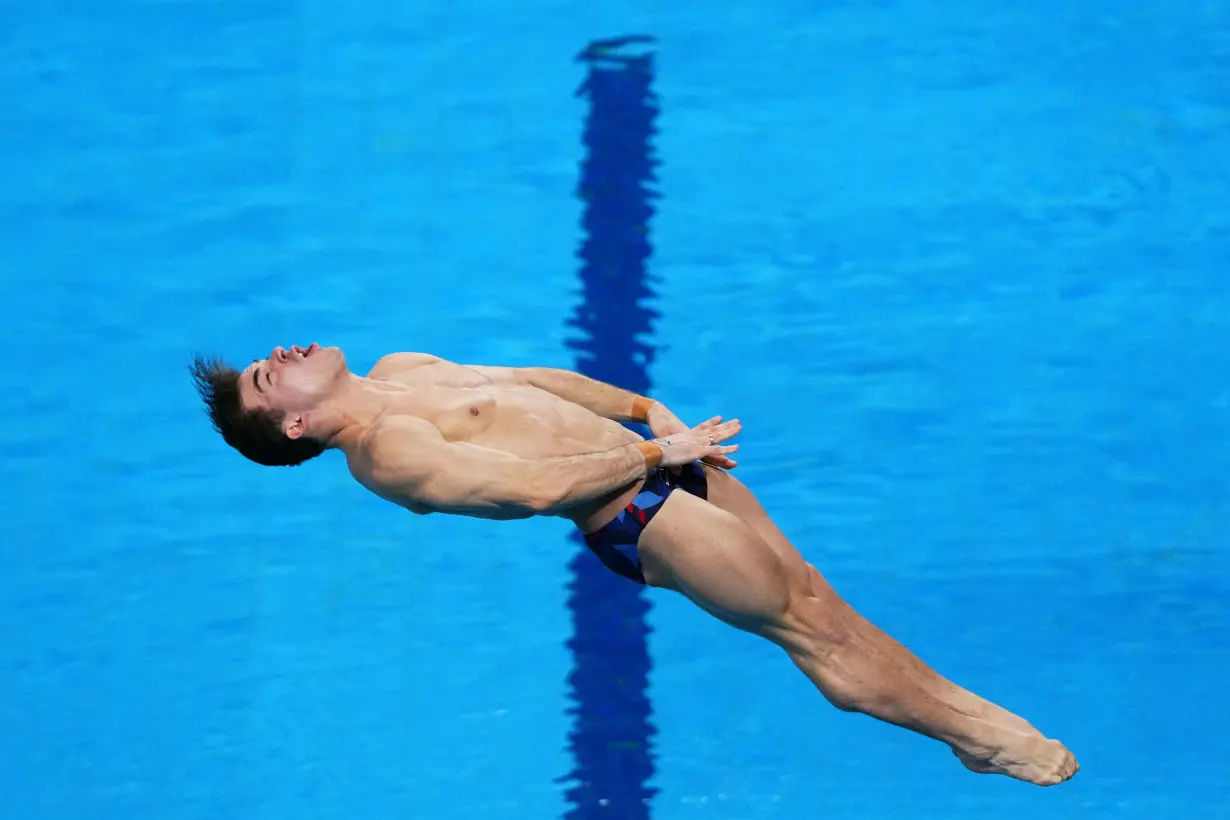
(506, 443)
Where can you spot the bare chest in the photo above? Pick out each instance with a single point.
(465, 405)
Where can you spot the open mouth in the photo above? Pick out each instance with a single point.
(304, 352)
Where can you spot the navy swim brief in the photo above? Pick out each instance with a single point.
(615, 543)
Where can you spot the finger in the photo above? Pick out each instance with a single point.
(712, 427)
(724, 431)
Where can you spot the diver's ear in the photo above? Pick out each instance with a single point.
(294, 426)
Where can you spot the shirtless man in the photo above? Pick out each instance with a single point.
(508, 443)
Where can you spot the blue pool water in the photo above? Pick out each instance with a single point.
(960, 269)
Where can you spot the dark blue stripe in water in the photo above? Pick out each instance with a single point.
(611, 737)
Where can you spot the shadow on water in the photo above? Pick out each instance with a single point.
(611, 737)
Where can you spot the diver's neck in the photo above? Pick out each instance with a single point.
(357, 405)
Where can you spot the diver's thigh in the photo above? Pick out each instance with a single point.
(717, 560)
(732, 495)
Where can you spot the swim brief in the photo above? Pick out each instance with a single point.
(615, 543)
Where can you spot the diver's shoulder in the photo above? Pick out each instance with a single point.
(393, 363)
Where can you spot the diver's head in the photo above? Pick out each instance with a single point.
(266, 410)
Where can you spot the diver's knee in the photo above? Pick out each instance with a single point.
(816, 626)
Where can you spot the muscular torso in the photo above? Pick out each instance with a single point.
(468, 405)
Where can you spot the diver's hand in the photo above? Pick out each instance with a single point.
(663, 423)
(704, 442)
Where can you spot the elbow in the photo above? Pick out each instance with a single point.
(539, 505)
(543, 498)
(543, 503)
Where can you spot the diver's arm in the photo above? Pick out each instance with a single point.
(598, 397)
(410, 460)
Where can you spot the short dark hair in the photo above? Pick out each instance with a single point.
(256, 434)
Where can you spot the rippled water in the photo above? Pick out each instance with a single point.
(959, 268)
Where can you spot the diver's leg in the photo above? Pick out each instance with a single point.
(730, 494)
(719, 562)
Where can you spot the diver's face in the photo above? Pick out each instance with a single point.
(293, 382)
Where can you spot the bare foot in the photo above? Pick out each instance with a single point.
(1032, 758)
